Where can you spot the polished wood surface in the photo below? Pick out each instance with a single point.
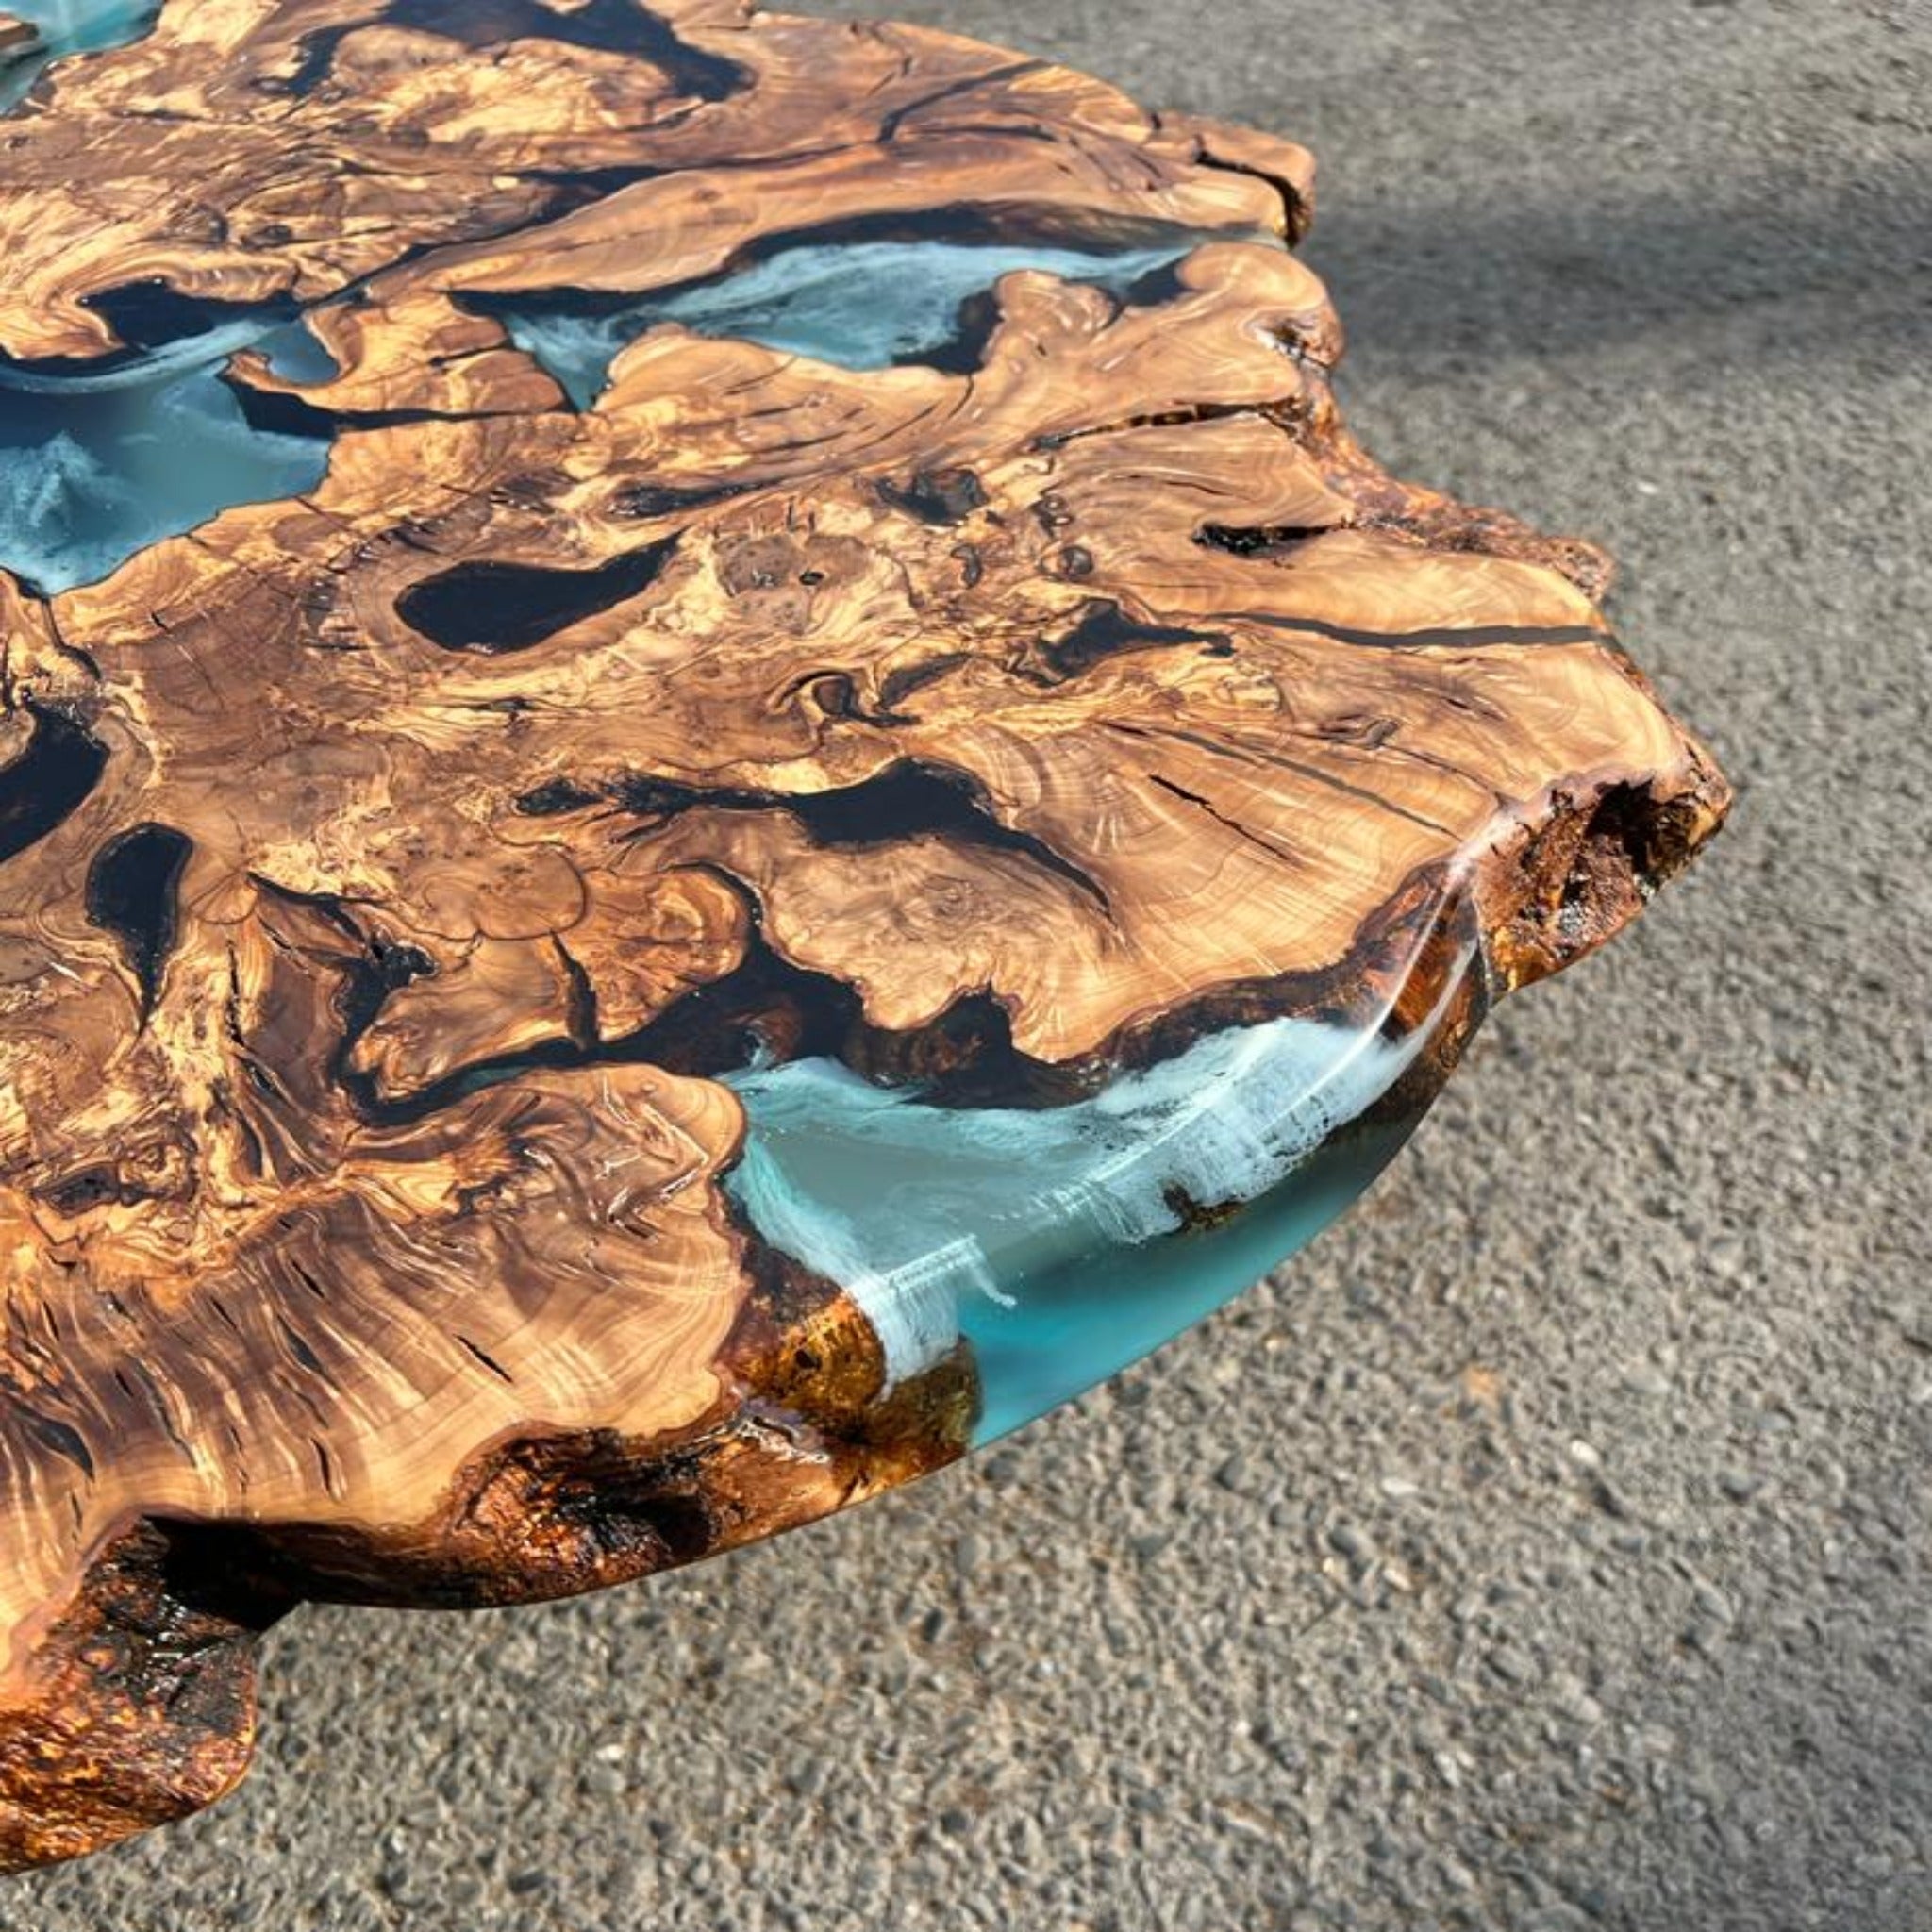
(1100, 689)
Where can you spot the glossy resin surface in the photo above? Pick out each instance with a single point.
(1059, 1244)
(43, 31)
(715, 772)
(94, 468)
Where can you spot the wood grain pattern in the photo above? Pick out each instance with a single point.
(1097, 691)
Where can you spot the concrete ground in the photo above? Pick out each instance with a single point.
(1546, 1550)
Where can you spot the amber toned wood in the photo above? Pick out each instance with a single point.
(1172, 707)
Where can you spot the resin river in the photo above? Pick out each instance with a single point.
(716, 772)
(96, 464)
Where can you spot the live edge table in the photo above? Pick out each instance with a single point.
(715, 772)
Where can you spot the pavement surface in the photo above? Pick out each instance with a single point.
(1547, 1549)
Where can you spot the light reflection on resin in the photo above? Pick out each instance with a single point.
(863, 305)
(94, 468)
(1063, 1243)
(70, 26)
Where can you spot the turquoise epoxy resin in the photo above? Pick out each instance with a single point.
(95, 467)
(1062, 1243)
(99, 460)
(858, 304)
(64, 28)
(96, 464)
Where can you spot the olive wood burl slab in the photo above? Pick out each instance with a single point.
(714, 770)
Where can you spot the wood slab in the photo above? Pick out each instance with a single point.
(393, 869)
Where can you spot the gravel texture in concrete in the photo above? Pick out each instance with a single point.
(1546, 1550)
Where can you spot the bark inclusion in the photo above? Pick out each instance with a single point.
(715, 772)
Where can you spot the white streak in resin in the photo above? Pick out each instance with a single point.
(192, 356)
